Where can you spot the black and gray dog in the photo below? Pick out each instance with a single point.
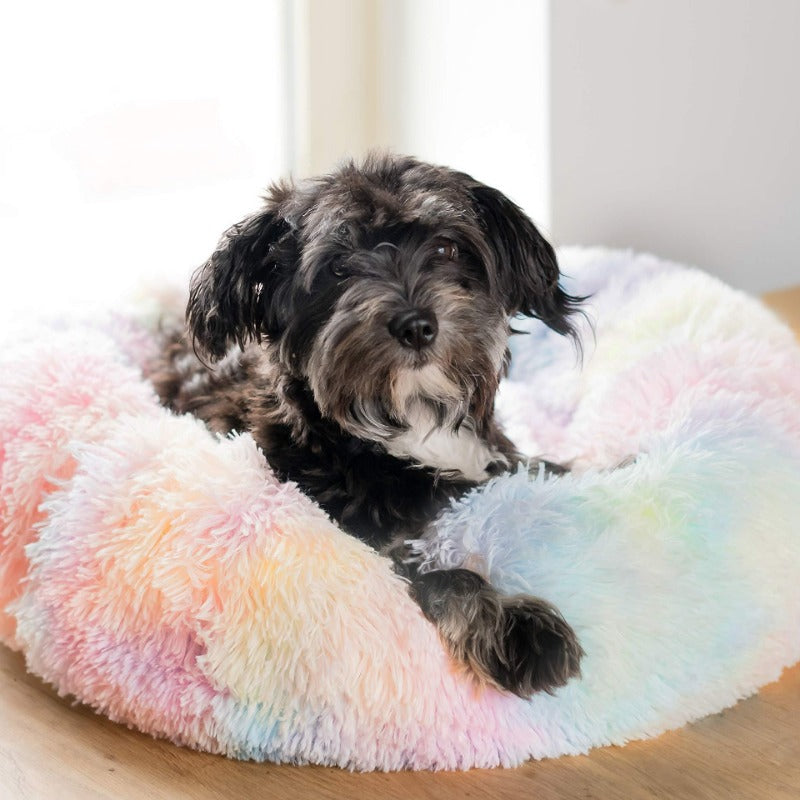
(359, 323)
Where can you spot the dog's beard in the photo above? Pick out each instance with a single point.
(425, 407)
(377, 402)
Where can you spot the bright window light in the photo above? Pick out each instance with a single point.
(131, 135)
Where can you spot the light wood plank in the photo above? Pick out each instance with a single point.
(786, 304)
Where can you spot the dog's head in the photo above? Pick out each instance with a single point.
(383, 286)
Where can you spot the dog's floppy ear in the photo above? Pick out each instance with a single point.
(526, 267)
(241, 292)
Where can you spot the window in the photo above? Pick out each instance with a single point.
(130, 136)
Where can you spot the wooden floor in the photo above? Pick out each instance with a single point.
(786, 304)
(50, 750)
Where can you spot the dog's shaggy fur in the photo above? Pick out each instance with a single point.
(360, 324)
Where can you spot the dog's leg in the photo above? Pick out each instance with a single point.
(518, 643)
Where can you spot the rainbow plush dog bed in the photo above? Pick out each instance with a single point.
(166, 578)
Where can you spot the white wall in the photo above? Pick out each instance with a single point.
(676, 129)
(465, 84)
(335, 67)
(450, 81)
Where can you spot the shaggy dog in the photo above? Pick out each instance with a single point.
(359, 323)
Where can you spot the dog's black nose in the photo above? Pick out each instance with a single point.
(415, 328)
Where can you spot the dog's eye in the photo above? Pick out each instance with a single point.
(338, 269)
(447, 249)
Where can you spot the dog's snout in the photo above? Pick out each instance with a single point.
(415, 328)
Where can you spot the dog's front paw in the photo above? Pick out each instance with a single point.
(520, 644)
(537, 650)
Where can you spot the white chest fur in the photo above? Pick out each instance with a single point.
(459, 451)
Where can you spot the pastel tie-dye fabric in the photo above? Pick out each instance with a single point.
(166, 578)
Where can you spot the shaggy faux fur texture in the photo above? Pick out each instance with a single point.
(166, 578)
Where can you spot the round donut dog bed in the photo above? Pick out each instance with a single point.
(165, 577)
